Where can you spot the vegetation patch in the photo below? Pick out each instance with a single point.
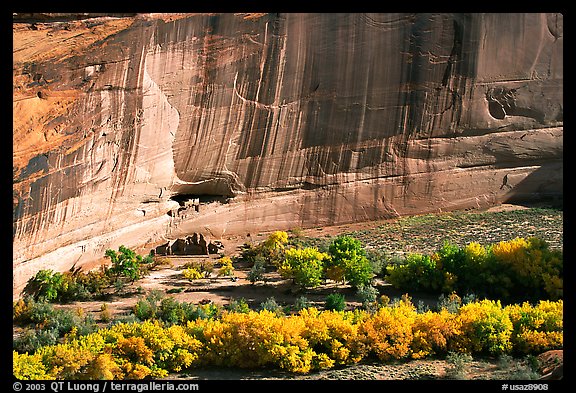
(500, 298)
(309, 340)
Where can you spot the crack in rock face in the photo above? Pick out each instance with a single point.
(290, 119)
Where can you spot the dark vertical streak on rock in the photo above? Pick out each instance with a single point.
(128, 108)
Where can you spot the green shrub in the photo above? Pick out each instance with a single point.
(125, 263)
(147, 308)
(31, 340)
(301, 303)
(63, 321)
(418, 273)
(51, 286)
(48, 324)
(519, 369)
(171, 311)
(378, 261)
(451, 303)
(192, 312)
(458, 363)
(270, 304)
(348, 262)
(238, 305)
(368, 296)
(257, 270)
(39, 313)
(86, 326)
(516, 270)
(143, 310)
(335, 302)
(451, 258)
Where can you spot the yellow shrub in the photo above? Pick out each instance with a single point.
(315, 329)
(65, 361)
(20, 308)
(226, 269)
(103, 366)
(332, 332)
(322, 362)
(536, 269)
(483, 327)
(192, 274)
(214, 337)
(237, 339)
(537, 328)
(181, 358)
(475, 252)
(29, 367)
(388, 333)
(157, 372)
(134, 349)
(136, 371)
(155, 337)
(94, 342)
(512, 251)
(292, 358)
(276, 240)
(299, 343)
(182, 339)
(432, 332)
(338, 352)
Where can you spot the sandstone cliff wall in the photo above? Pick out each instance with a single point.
(290, 119)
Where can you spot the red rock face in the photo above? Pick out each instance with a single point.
(290, 119)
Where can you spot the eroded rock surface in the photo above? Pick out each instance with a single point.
(272, 121)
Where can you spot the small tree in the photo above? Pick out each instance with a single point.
(305, 266)
(125, 263)
(226, 268)
(272, 249)
(348, 262)
(46, 285)
(276, 240)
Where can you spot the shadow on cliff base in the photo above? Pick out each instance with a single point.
(543, 187)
